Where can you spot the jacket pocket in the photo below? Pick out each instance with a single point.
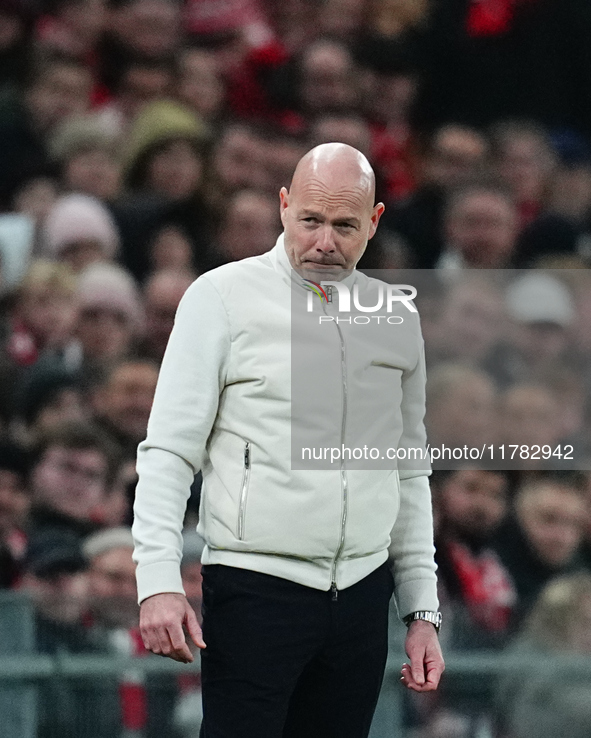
(244, 491)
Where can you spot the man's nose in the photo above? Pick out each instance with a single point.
(325, 241)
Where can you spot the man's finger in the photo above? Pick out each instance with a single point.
(164, 641)
(193, 628)
(417, 665)
(179, 644)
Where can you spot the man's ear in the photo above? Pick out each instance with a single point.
(284, 203)
(377, 213)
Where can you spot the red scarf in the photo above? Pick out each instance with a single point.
(487, 589)
(491, 17)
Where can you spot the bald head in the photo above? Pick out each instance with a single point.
(329, 213)
(339, 167)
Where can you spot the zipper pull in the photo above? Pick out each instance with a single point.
(247, 455)
(335, 591)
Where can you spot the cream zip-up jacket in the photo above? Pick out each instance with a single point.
(223, 406)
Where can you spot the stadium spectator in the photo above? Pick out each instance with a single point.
(165, 152)
(200, 85)
(543, 310)
(111, 316)
(478, 590)
(541, 539)
(460, 407)
(44, 315)
(71, 478)
(527, 414)
(250, 226)
(15, 501)
(123, 400)
(454, 155)
(79, 231)
(73, 28)
(49, 395)
(86, 153)
(559, 624)
(524, 158)
(58, 88)
(162, 294)
(328, 78)
(137, 83)
(470, 322)
(347, 128)
(480, 228)
(139, 30)
(239, 161)
(112, 591)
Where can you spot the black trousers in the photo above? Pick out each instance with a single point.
(287, 661)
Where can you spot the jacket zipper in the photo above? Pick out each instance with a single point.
(244, 490)
(344, 486)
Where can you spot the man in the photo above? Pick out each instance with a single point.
(481, 228)
(296, 582)
(542, 538)
(71, 478)
(472, 504)
(122, 402)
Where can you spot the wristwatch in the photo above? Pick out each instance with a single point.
(431, 617)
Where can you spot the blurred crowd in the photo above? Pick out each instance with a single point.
(143, 142)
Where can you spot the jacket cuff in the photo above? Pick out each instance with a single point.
(419, 594)
(163, 576)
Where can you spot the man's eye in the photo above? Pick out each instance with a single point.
(310, 220)
(345, 225)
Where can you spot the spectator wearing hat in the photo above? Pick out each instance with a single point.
(111, 317)
(15, 501)
(87, 154)
(543, 308)
(112, 617)
(79, 230)
(112, 591)
(165, 151)
(164, 164)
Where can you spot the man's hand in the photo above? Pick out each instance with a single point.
(426, 661)
(162, 618)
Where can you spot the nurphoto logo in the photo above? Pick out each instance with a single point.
(385, 295)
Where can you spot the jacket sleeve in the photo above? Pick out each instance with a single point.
(411, 549)
(191, 379)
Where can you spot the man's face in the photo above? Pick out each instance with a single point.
(327, 74)
(327, 227)
(240, 161)
(14, 501)
(474, 502)
(71, 481)
(162, 300)
(112, 587)
(150, 27)
(127, 399)
(552, 519)
(482, 227)
(456, 156)
(250, 226)
(62, 92)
